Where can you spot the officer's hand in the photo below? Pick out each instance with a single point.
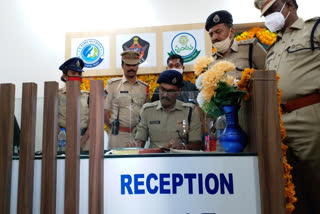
(175, 144)
(134, 143)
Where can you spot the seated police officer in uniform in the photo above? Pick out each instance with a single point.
(72, 71)
(189, 91)
(169, 122)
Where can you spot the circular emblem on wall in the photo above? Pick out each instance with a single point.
(91, 52)
(185, 45)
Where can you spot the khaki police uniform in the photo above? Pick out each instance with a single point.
(128, 99)
(299, 73)
(84, 111)
(161, 126)
(238, 54)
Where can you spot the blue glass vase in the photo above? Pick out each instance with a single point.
(233, 139)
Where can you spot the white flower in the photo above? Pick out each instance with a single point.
(199, 82)
(200, 99)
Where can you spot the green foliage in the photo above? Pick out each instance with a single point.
(225, 95)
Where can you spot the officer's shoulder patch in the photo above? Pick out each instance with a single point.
(143, 83)
(84, 92)
(113, 80)
(313, 19)
(149, 105)
(188, 105)
(248, 41)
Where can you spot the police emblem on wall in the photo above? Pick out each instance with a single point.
(185, 45)
(139, 45)
(91, 51)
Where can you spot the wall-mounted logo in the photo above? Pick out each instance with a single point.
(92, 52)
(139, 45)
(185, 45)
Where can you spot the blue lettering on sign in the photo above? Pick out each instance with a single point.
(149, 188)
(166, 183)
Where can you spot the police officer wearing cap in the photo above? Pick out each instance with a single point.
(295, 56)
(243, 54)
(169, 122)
(124, 100)
(72, 70)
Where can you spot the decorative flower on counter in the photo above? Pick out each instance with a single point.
(217, 88)
(201, 64)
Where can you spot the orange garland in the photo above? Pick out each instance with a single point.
(289, 186)
(243, 83)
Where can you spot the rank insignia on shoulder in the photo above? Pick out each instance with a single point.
(155, 122)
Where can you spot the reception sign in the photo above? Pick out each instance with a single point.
(192, 184)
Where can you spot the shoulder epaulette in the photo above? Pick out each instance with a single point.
(188, 105)
(248, 41)
(148, 105)
(113, 80)
(313, 19)
(84, 91)
(143, 83)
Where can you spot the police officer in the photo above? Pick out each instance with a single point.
(296, 57)
(72, 70)
(125, 98)
(189, 91)
(169, 122)
(243, 54)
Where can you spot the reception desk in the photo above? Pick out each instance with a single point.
(190, 183)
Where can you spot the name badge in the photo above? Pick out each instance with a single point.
(124, 92)
(155, 122)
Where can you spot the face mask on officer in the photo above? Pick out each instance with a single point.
(275, 21)
(224, 45)
(180, 70)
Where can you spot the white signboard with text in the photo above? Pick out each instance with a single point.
(94, 51)
(190, 44)
(162, 185)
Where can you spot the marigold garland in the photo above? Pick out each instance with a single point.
(264, 35)
(289, 186)
(244, 81)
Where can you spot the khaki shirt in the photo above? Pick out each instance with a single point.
(299, 71)
(161, 126)
(127, 98)
(238, 54)
(62, 108)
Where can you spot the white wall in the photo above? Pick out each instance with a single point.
(33, 31)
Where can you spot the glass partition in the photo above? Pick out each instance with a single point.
(133, 121)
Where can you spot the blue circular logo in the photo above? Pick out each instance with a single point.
(91, 52)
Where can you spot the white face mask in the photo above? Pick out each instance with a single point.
(275, 21)
(180, 70)
(223, 46)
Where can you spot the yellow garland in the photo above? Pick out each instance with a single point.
(243, 83)
(151, 79)
(289, 186)
(265, 36)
